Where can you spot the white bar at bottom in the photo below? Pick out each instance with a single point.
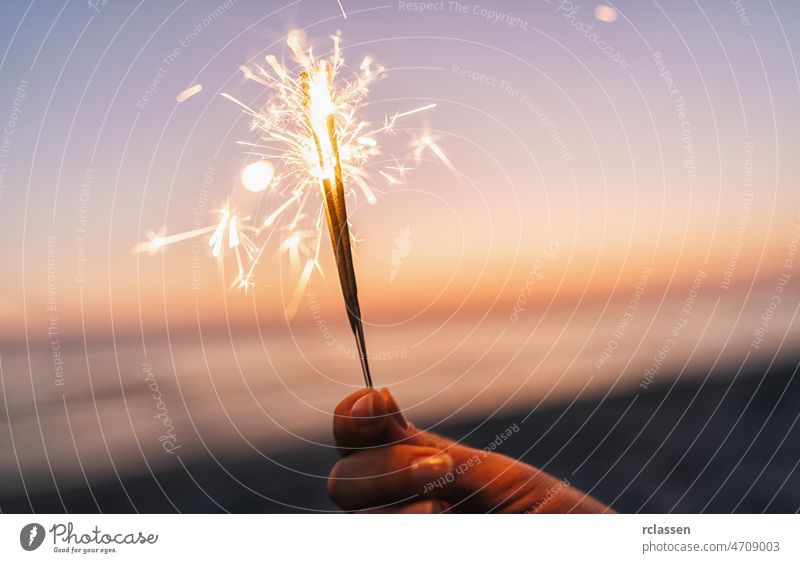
(401, 538)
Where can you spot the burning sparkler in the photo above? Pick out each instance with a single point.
(315, 83)
(310, 127)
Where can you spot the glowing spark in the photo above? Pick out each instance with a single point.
(401, 250)
(250, 75)
(237, 102)
(257, 176)
(276, 67)
(391, 121)
(157, 242)
(291, 246)
(215, 242)
(292, 242)
(283, 207)
(300, 289)
(391, 179)
(400, 168)
(294, 39)
(605, 13)
(188, 93)
(366, 190)
(428, 143)
(294, 247)
(344, 14)
(233, 234)
(412, 112)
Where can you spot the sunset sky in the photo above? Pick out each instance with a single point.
(643, 142)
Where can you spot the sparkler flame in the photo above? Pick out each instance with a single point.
(310, 125)
(313, 141)
(320, 110)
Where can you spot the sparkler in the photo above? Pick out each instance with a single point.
(310, 130)
(320, 111)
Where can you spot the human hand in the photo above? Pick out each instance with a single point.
(389, 466)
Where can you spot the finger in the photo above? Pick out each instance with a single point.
(399, 430)
(359, 420)
(380, 476)
(430, 506)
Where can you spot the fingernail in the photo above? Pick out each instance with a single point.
(397, 415)
(363, 410)
(435, 468)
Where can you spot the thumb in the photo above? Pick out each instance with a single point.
(370, 418)
(399, 429)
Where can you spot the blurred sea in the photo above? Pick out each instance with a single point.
(240, 421)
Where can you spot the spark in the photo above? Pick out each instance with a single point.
(215, 242)
(300, 288)
(428, 143)
(233, 234)
(391, 179)
(389, 124)
(159, 241)
(240, 104)
(188, 93)
(413, 111)
(365, 189)
(294, 247)
(344, 14)
(605, 13)
(257, 176)
(283, 207)
(239, 243)
(399, 168)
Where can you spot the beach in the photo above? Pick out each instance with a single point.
(720, 441)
